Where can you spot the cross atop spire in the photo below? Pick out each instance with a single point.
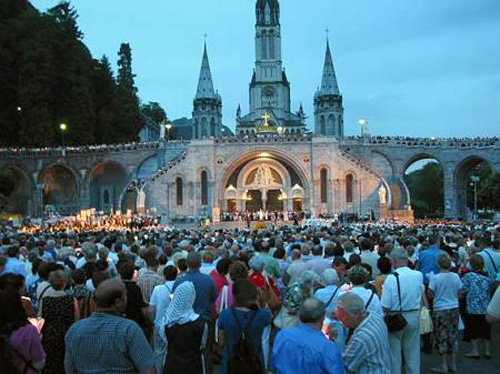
(329, 85)
(205, 83)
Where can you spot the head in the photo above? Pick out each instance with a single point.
(296, 255)
(330, 277)
(208, 257)
(222, 266)
(312, 312)
(170, 273)
(79, 276)
(351, 310)
(111, 296)
(12, 314)
(399, 258)
(13, 252)
(127, 271)
(444, 261)
(245, 293)
(257, 263)
(194, 260)
(340, 265)
(152, 263)
(310, 280)
(58, 280)
(238, 269)
(358, 275)
(384, 264)
(476, 262)
(365, 244)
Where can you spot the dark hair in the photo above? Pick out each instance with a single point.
(127, 271)
(384, 265)
(245, 293)
(35, 264)
(238, 269)
(182, 264)
(365, 244)
(163, 259)
(79, 276)
(13, 282)
(223, 266)
(280, 253)
(12, 314)
(339, 260)
(170, 272)
(193, 260)
(152, 262)
(13, 251)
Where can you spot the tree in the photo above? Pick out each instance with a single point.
(426, 187)
(154, 111)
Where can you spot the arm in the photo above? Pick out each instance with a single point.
(77, 309)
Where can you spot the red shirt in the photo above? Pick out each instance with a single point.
(219, 280)
(259, 281)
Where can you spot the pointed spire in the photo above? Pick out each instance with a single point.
(205, 84)
(329, 85)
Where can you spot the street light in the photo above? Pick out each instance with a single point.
(63, 127)
(19, 109)
(168, 126)
(475, 179)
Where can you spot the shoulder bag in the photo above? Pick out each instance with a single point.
(395, 320)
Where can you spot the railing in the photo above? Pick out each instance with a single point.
(426, 142)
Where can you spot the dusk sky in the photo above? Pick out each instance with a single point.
(411, 67)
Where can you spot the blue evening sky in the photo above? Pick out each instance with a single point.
(411, 67)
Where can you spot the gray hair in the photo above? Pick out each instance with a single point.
(399, 254)
(444, 261)
(309, 277)
(330, 276)
(257, 263)
(312, 311)
(352, 304)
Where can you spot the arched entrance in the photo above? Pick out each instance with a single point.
(106, 182)
(424, 177)
(264, 181)
(471, 178)
(60, 189)
(15, 187)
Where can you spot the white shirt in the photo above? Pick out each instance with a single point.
(446, 288)
(411, 285)
(375, 307)
(160, 298)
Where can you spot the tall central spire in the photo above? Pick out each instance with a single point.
(205, 84)
(329, 85)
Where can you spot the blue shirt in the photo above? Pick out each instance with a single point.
(492, 267)
(478, 288)
(227, 323)
(14, 266)
(107, 343)
(304, 349)
(206, 294)
(427, 262)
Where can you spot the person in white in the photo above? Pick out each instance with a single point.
(160, 300)
(407, 299)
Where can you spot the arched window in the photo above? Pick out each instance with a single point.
(212, 127)
(349, 187)
(204, 127)
(204, 188)
(324, 185)
(332, 124)
(179, 191)
(322, 126)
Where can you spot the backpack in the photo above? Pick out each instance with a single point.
(243, 359)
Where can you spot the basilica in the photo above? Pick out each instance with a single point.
(271, 163)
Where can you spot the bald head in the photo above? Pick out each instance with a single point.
(312, 311)
(108, 292)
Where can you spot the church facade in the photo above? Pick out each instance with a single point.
(272, 163)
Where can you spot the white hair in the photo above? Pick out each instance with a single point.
(330, 276)
(352, 304)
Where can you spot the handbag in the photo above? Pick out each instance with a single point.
(273, 300)
(426, 325)
(395, 321)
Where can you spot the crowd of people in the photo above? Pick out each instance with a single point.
(354, 298)
(432, 142)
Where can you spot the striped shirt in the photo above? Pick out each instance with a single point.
(368, 351)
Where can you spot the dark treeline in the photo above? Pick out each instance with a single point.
(48, 77)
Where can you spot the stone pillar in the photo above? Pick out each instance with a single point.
(264, 199)
(450, 191)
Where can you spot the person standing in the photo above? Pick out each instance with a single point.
(185, 333)
(477, 286)
(444, 289)
(368, 351)
(14, 265)
(107, 342)
(206, 295)
(402, 293)
(149, 278)
(490, 257)
(304, 348)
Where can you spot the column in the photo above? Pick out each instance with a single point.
(450, 192)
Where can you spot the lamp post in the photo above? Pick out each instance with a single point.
(168, 126)
(475, 180)
(63, 127)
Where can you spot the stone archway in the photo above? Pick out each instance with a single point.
(106, 182)
(267, 175)
(60, 189)
(15, 191)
